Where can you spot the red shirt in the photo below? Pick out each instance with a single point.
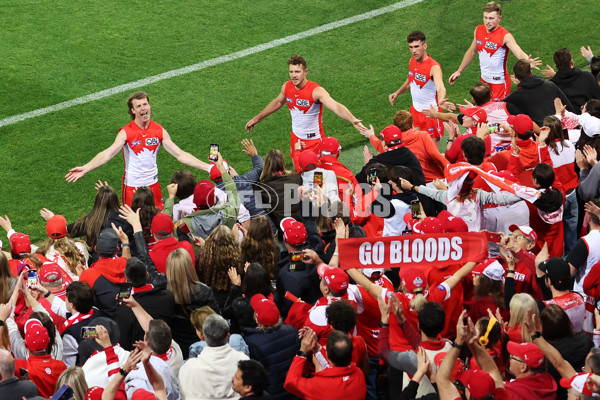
(454, 305)
(160, 252)
(43, 371)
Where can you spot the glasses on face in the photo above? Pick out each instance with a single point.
(516, 359)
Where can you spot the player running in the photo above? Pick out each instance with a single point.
(492, 42)
(305, 100)
(140, 140)
(426, 86)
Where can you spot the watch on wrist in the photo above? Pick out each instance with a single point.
(122, 372)
(48, 294)
(458, 346)
(300, 353)
(383, 324)
(1, 323)
(536, 335)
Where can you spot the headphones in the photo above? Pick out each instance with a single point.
(484, 340)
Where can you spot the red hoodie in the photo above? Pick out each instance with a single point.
(538, 387)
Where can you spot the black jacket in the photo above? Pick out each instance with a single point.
(159, 303)
(276, 194)
(391, 158)
(579, 86)
(275, 349)
(535, 97)
(15, 389)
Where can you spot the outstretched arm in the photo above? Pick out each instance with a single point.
(321, 95)
(182, 156)
(273, 106)
(460, 275)
(467, 59)
(438, 79)
(393, 96)
(99, 159)
(511, 43)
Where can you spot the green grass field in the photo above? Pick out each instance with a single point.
(60, 50)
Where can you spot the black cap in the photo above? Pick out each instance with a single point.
(558, 270)
(107, 242)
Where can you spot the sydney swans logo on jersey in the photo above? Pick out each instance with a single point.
(491, 46)
(302, 103)
(136, 143)
(420, 77)
(152, 141)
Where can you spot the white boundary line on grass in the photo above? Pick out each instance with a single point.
(205, 64)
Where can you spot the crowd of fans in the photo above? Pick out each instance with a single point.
(234, 288)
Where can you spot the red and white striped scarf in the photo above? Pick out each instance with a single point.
(75, 319)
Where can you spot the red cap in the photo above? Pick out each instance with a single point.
(204, 194)
(94, 393)
(214, 172)
(528, 352)
(413, 278)
(19, 243)
(293, 231)
(428, 225)
(266, 311)
(479, 383)
(527, 231)
(56, 227)
(490, 268)
(458, 369)
(308, 160)
(162, 225)
(450, 223)
(51, 272)
(477, 113)
(36, 336)
(142, 394)
(409, 220)
(577, 382)
(335, 279)
(520, 123)
(390, 133)
(330, 145)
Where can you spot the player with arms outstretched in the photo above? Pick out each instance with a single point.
(426, 86)
(140, 140)
(492, 42)
(305, 100)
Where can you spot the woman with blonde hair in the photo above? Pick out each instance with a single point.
(75, 379)
(520, 305)
(220, 252)
(189, 294)
(277, 187)
(69, 254)
(259, 245)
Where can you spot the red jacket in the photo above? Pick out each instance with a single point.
(538, 387)
(161, 250)
(335, 383)
(43, 371)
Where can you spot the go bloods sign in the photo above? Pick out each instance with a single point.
(416, 250)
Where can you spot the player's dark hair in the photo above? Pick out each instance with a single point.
(135, 96)
(186, 182)
(544, 175)
(339, 349)
(562, 59)
(403, 120)
(493, 6)
(481, 93)
(81, 296)
(136, 272)
(254, 374)
(431, 319)
(522, 69)
(297, 60)
(159, 336)
(401, 171)
(416, 35)
(473, 148)
(341, 315)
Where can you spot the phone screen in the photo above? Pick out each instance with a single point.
(415, 208)
(296, 256)
(32, 278)
(372, 175)
(125, 290)
(318, 179)
(213, 153)
(88, 332)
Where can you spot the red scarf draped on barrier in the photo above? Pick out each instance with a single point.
(434, 250)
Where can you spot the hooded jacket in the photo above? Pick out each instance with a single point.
(535, 97)
(579, 86)
(105, 277)
(538, 387)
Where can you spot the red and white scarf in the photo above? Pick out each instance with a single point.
(75, 319)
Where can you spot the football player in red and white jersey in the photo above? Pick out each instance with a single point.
(426, 86)
(305, 100)
(140, 141)
(492, 42)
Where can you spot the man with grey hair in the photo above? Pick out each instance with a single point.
(216, 365)
(11, 388)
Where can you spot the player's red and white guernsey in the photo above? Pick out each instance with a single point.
(422, 87)
(139, 154)
(492, 57)
(306, 113)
